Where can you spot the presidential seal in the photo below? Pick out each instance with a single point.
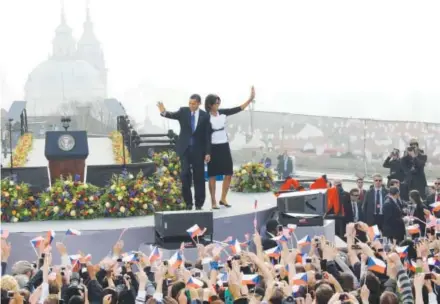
(66, 142)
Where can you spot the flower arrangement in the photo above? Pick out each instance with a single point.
(137, 196)
(69, 199)
(167, 163)
(252, 177)
(17, 203)
(126, 196)
(117, 144)
(21, 151)
(166, 192)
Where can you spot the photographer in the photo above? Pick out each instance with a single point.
(392, 162)
(413, 165)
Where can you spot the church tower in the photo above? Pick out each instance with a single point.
(89, 48)
(63, 42)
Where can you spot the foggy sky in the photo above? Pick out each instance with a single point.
(373, 59)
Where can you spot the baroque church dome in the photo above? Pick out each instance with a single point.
(56, 81)
(72, 76)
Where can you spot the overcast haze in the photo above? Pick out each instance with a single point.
(373, 59)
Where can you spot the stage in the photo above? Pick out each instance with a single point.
(99, 235)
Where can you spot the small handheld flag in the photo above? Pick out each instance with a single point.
(376, 265)
(73, 232)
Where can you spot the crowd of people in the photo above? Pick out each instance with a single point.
(266, 268)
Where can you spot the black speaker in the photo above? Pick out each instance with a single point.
(313, 202)
(175, 223)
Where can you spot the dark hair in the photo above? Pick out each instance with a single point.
(354, 190)
(415, 195)
(324, 294)
(210, 100)
(196, 97)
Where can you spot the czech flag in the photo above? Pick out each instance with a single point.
(154, 255)
(235, 246)
(194, 283)
(73, 232)
(304, 241)
(376, 265)
(373, 232)
(4, 234)
(291, 227)
(36, 242)
(402, 251)
(176, 260)
(130, 258)
(435, 206)
(250, 279)
(301, 258)
(413, 229)
(410, 265)
(274, 252)
(281, 239)
(300, 279)
(194, 231)
(433, 261)
(50, 236)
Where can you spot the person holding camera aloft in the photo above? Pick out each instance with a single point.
(413, 165)
(392, 162)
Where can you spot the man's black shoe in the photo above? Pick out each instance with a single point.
(198, 208)
(189, 207)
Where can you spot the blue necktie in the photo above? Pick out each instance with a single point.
(193, 127)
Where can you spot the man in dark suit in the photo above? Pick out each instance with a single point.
(413, 164)
(372, 207)
(353, 207)
(193, 147)
(393, 225)
(435, 196)
(392, 162)
(360, 187)
(285, 165)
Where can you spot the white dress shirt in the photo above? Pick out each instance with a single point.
(218, 124)
(354, 207)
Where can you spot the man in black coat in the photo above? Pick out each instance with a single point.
(193, 147)
(392, 162)
(435, 196)
(374, 200)
(393, 225)
(353, 207)
(413, 164)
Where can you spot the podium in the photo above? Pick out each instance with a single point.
(66, 152)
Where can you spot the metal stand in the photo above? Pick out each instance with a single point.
(10, 144)
(123, 149)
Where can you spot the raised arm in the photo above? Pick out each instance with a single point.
(236, 110)
(171, 115)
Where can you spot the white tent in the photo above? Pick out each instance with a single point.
(309, 131)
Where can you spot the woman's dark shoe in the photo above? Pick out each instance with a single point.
(215, 207)
(224, 204)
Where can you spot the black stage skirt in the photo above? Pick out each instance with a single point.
(221, 160)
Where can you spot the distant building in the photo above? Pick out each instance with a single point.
(73, 80)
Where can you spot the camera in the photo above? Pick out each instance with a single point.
(75, 288)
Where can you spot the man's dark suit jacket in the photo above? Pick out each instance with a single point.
(393, 225)
(369, 204)
(201, 136)
(348, 211)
